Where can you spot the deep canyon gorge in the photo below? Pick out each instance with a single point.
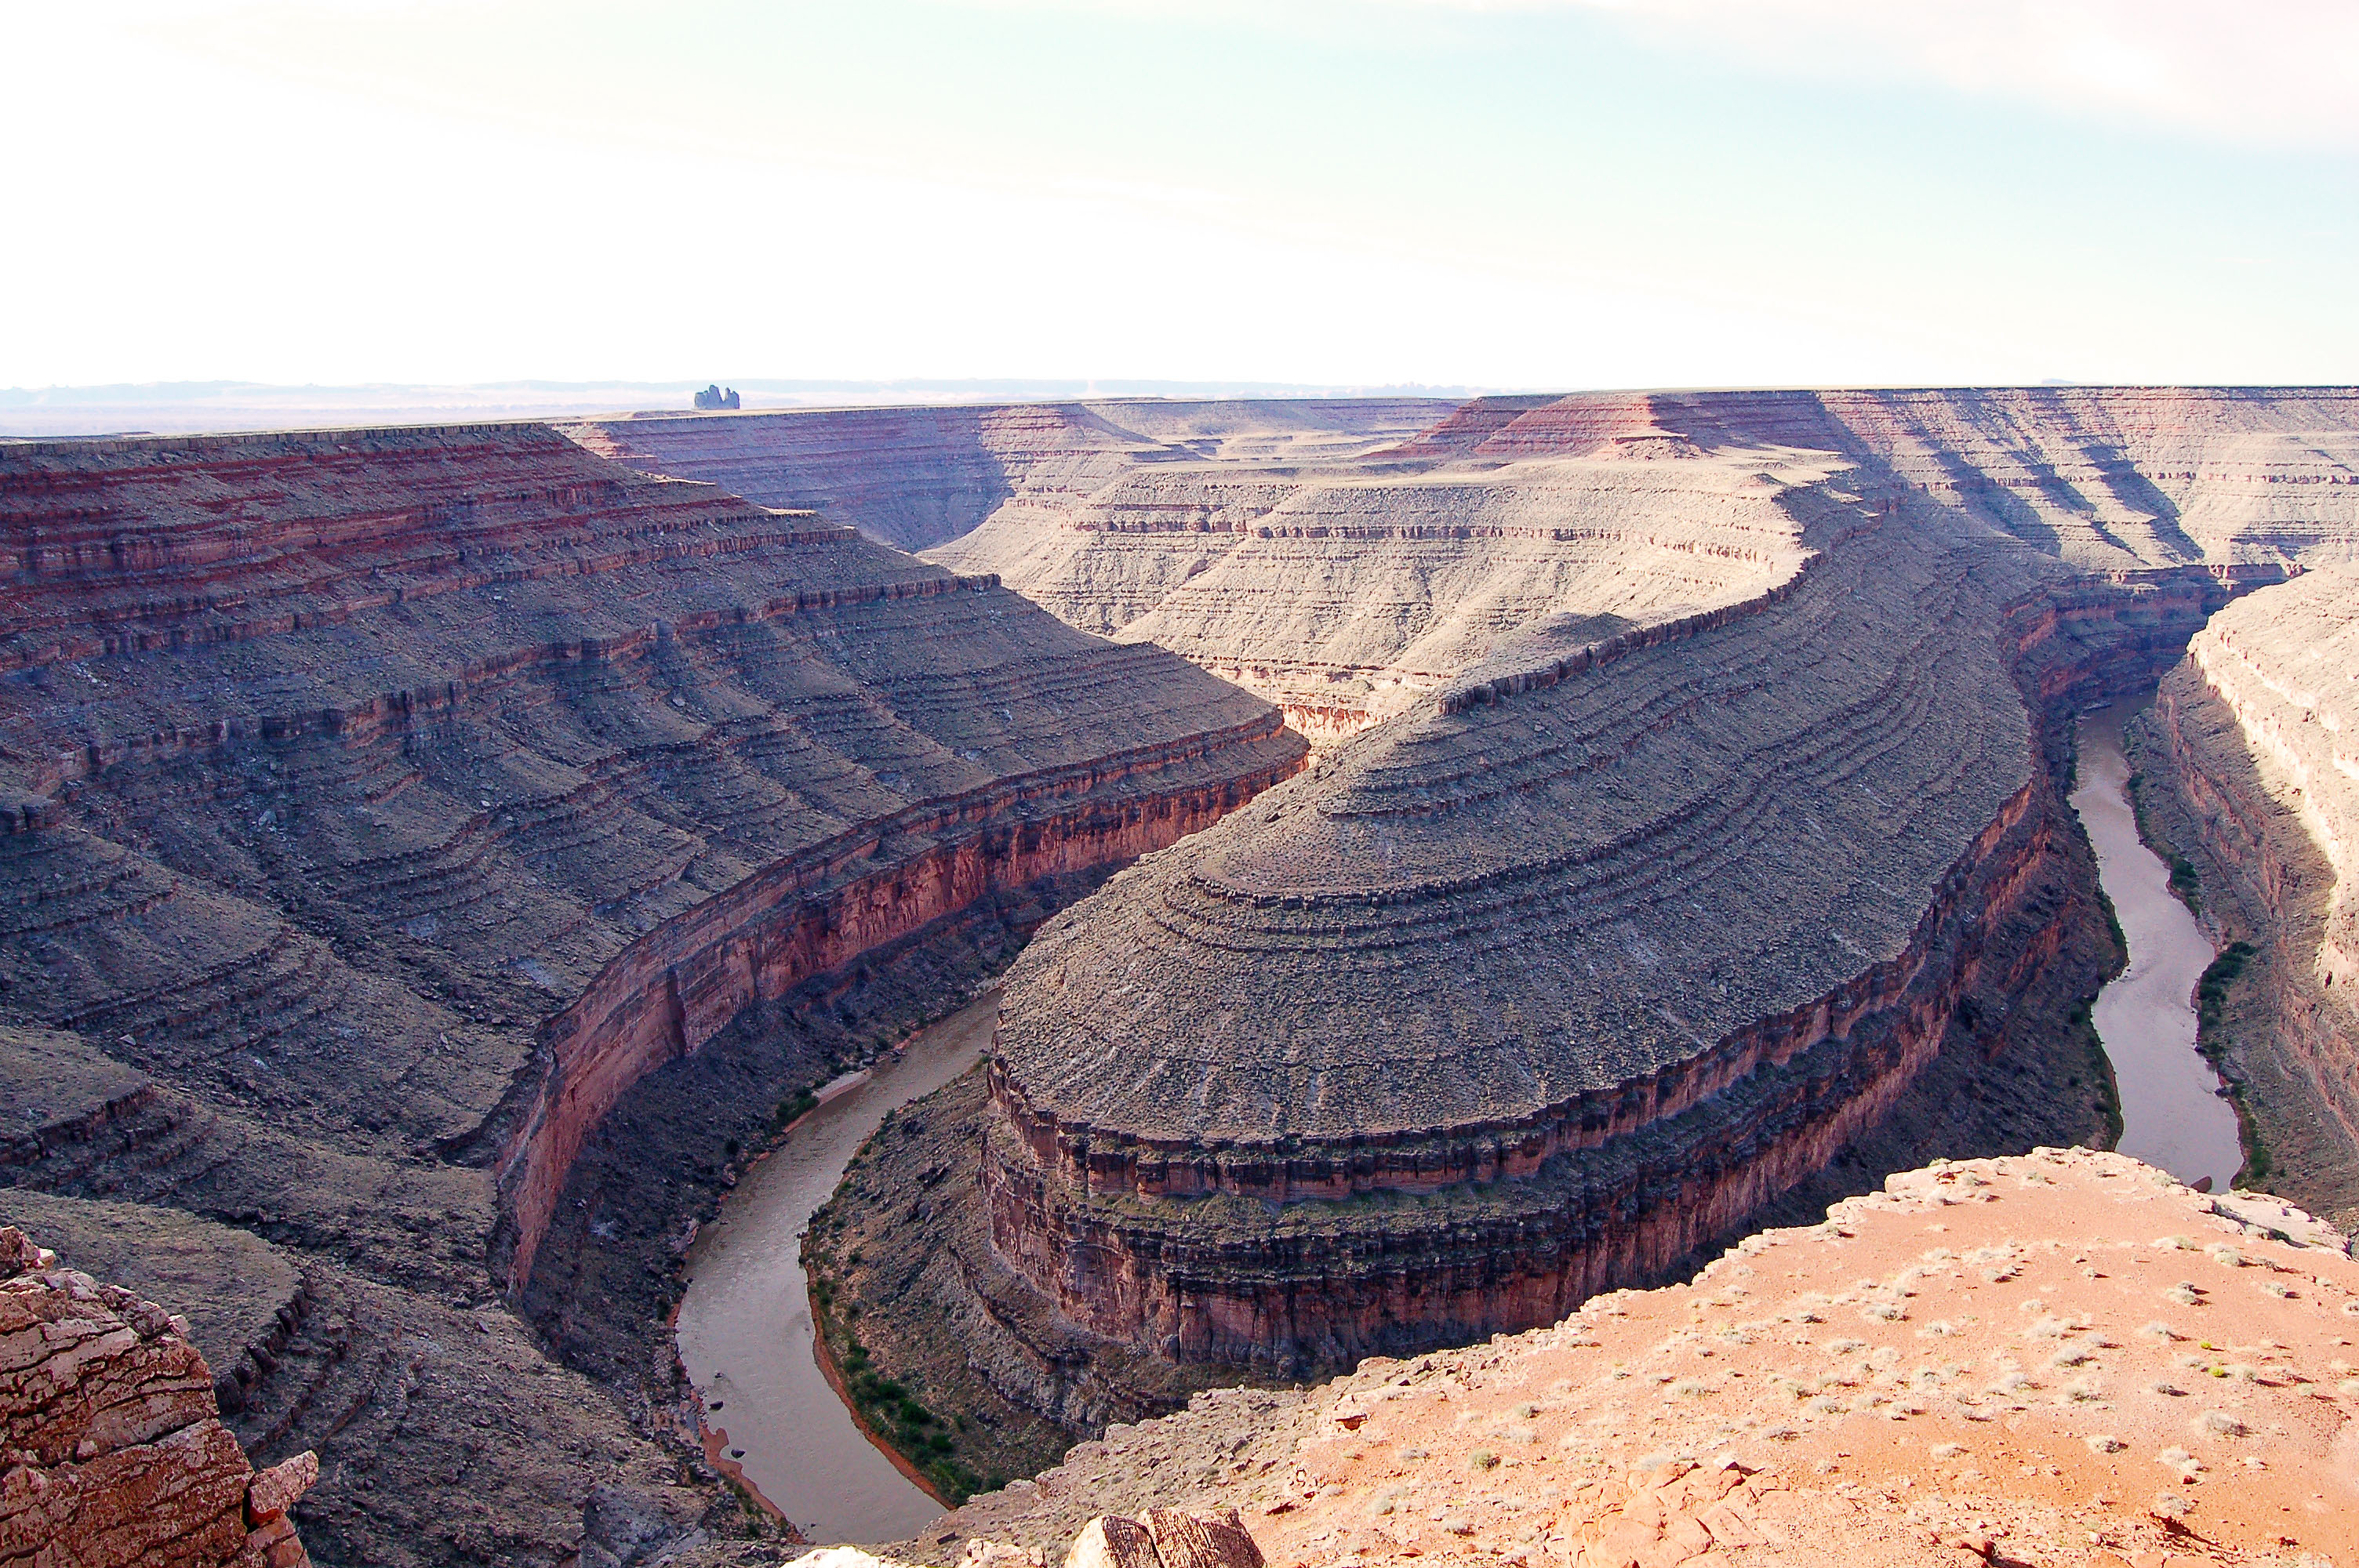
(1446, 862)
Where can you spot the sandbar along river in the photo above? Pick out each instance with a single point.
(746, 1322)
(2172, 1113)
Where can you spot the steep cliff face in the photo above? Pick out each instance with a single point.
(2255, 726)
(115, 1455)
(390, 802)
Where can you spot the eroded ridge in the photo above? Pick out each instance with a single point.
(390, 801)
(1531, 993)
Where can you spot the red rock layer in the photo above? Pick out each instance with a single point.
(114, 1452)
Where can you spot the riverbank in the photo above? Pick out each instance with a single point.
(748, 1321)
(824, 1350)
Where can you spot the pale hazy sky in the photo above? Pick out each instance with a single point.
(1552, 192)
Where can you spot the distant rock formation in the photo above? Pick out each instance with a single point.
(2064, 1357)
(714, 397)
(1343, 558)
(114, 1452)
(914, 476)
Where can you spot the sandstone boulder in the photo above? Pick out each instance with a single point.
(114, 1452)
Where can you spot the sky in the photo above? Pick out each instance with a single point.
(1551, 193)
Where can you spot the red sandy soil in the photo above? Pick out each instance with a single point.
(2062, 1359)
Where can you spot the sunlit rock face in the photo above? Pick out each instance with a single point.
(1987, 1360)
(2260, 731)
(117, 1457)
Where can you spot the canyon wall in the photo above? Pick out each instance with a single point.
(2255, 728)
(379, 806)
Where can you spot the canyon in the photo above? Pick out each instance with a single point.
(1610, 942)
(381, 807)
(1562, 836)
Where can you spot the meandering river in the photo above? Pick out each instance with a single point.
(746, 1322)
(2172, 1113)
(746, 1325)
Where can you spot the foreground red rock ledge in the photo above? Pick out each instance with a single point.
(114, 1451)
(2066, 1357)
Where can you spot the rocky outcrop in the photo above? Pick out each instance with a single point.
(2066, 1357)
(380, 805)
(113, 1450)
(1162, 1537)
(2255, 726)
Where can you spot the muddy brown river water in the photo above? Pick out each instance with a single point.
(746, 1323)
(2172, 1115)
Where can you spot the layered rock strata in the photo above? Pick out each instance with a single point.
(2257, 729)
(1341, 588)
(114, 1452)
(379, 805)
(1532, 994)
(1539, 988)
(2062, 1359)
(916, 477)
(1266, 542)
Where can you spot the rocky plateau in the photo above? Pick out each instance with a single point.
(2065, 1358)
